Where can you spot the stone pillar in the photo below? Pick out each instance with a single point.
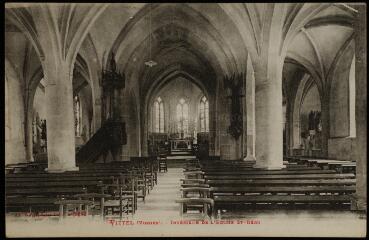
(96, 123)
(59, 117)
(269, 121)
(212, 126)
(361, 109)
(29, 136)
(250, 108)
(125, 118)
(287, 126)
(325, 123)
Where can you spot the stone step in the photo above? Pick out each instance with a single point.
(180, 157)
(180, 153)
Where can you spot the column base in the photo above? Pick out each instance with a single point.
(259, 166)
(249, 158)
(269, 168)
(276, 167)
(61, 170)
(358, 204)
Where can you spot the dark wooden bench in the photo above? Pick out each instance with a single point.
(31, 199)
(343, 167)
(233, 187)
(290, 182)
(189, 185)
(33, 184)
(22, 167)
(45, 191)
(192, 180)
(269, 172)
(282, 189)
(40, 189)
(292, 176)
(241, 201)
(22, 188)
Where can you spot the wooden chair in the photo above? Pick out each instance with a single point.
(202, 192)
(163, 164)
(206, 206)
(130, 191)
(116, 204)
(140, 186)
(149, 177)
(98, 206)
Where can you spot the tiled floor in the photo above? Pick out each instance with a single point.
(160, 203)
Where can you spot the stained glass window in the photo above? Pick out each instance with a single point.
(204, 115)
(158, 116)
(77, 116)
(182, 116)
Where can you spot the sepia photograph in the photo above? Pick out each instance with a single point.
(185, 119)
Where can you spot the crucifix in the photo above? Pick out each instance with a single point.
(235, 84)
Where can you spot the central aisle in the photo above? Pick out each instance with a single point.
(160, 203)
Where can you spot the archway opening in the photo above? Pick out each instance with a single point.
(310, 121)
(178, 116)
(39, 136)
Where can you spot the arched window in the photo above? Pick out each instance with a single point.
(182, 116)
(158, 116)
(204, 115)
(77, 116)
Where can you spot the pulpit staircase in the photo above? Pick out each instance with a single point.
(112, 134)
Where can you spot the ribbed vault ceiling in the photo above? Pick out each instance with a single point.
(200, 40)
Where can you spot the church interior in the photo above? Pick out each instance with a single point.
(217, 111)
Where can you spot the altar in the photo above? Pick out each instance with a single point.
(180, 144)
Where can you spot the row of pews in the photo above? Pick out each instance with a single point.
(216, 186)
(341, 166)
(104, 189)
(21, 167)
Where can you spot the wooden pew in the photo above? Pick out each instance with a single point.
(32, 199)
(231, 168)
(282, 189)
(65, 174)
(289, 182)
(192, 180)
(189, 185)
(50, 186)
(235, 187)
(343, 167)
(323, 163)
(269, 172)
(21, 188)
(225, 202)
(292, 176)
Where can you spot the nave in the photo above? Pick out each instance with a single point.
(212, 111)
